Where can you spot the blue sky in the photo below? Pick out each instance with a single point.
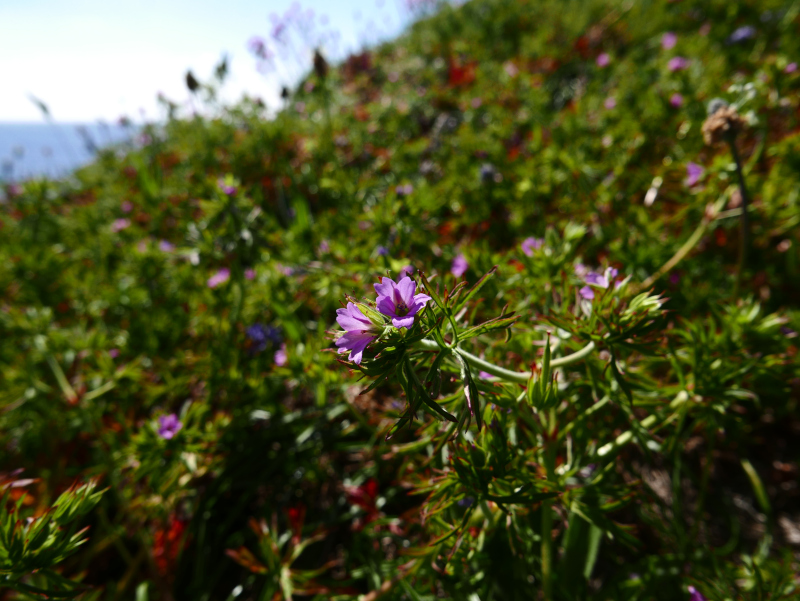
(100, 59)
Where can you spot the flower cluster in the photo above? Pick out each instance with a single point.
(397, 301)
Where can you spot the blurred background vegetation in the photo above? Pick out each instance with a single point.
(197, 271)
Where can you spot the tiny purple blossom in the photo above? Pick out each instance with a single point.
(127, 206)
(668, 40)
(790, 68)
(677, 63)
(695, 595)
(610, 102)
(359, 331)
(113, 353)
(741, 34)
(166, 246)
(676, 100)
(222, 276)
(403, 191)
(407, 270)
(586, 292)
(693, 173)
(595, 279)
(229, 190)
(531, 244)
(459, 266)
(281, 357)
(484, 375)
(603, 60)
(399, 301)
(382, 251)
(250, 274)
(120, 224)
(168, 426)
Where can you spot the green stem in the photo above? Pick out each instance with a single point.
(743, 225)
(520, 377)
(683, 250)
(547, 524)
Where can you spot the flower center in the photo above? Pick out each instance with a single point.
(401, 309)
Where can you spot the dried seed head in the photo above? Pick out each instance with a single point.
(724, 123)
(320, 65)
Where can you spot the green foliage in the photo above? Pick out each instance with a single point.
(589, 412)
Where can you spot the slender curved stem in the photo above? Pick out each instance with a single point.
(683, 250)
(520, 377)
(743, 225)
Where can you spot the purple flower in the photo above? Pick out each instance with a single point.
(166, 246)
(281, 356)
(226, 188)
(693, 173)
(324, 247)
(695, 595)
(399, 301)
(127, 206)
(668, 40)
(222, 276)
(677, 63)
(487, 172)
(403, 191)
(610, 102)
(484, 375)
(790, 68)
(466, 501)
(531, 244)
(581, 270)
(603, 60)
(382, 251)
(249, 273)
(358, 331)
(676, 100)
(742, 34)
(459, 266)
(120, 224)
(407, 270)
(595, 279)
(168, 426)
(261, 336)
(113, 353)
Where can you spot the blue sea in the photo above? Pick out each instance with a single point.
(30, 150)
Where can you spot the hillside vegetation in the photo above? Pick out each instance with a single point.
(623, 425)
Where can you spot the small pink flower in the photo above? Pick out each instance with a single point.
(531, 244)
(281, 356)
(511, 69)
(250, 274)
(113, 353)
(459, 266)
(222, 276)
(610, 103)
(120, 224)
(676, 100)
(127, 206)
(668, 40)
(677, 63)
(603, 60)
(790, 68)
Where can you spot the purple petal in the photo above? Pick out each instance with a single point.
(587, 293)
(405, 291)
(403, 322)
(386, 287)
(355, 342)
(386, 306)
(352, 318)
